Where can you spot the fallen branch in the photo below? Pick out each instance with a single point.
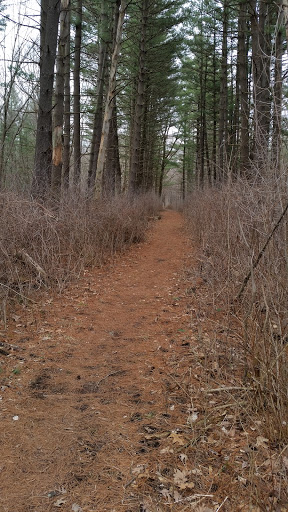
(118, 372)
(220, 506)
(17, 293)
(31, 263)
(5, 348)
(229, 388)
(255, 264)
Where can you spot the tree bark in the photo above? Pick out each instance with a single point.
(243, 88)
(112, 171)
(50, 10)
(58, 118)
(112, 174)
(261, 47)
(285, 12)
(101, 74)
(77, 97)
(109, 103)
(223, 116)
(67, 108)
(277, 101)
(135, 177)
(215, 113)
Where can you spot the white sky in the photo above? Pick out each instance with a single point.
(25, 17)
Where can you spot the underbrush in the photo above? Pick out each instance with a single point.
(43, 245)
(231, 227)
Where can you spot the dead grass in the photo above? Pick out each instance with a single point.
(44, 245)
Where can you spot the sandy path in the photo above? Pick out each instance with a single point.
(88, 386)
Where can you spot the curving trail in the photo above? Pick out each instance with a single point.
(88, 387)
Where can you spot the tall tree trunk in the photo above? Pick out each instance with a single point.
(242, 64)
(235, 117)
(202, 121)
(112, 173)
(101, 74)
(206, 156)
(67, 108)
(223, 116)
(58, 118)
(135, 157)
(277, 101)
(261, 48)
(215, 111)
(163, 163)
(183, 183)
(8, 88)
(109, 103)
(50, 10)
(147, 147)
(77, 95)
(285, 12)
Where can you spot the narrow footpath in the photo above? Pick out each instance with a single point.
(85, 396)
(125, 394)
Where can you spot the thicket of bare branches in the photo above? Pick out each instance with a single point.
(231, 227)
(44, 245)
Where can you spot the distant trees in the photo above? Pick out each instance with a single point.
(234, 62)
(110, 99)
(17, 94)
(216, 84)
(128, 93)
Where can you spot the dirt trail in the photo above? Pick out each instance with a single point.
(86, 396)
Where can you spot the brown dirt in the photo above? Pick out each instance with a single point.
(102, 394)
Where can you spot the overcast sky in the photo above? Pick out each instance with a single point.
(22, 22)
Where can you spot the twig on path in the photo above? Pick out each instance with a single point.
(229, 388)
(130, 482)
(176, 382)
(110, 375)
(220, 506)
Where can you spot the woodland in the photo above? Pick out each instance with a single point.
(110, 111)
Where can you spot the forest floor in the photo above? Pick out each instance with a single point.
(118, 396)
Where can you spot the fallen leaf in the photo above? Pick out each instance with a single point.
(177, 439)
(162, 479)
(166, 494)
(192, 418)
(167, 450)
(177, 497)
(183, 457)
(157, 435)
(76, 508)
(242, 480)
(138, 469)
(262, 442)
(59, 503)
(196, 472)
(180, 479)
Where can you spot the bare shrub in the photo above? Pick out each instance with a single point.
(50, 244)
(230, 226)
